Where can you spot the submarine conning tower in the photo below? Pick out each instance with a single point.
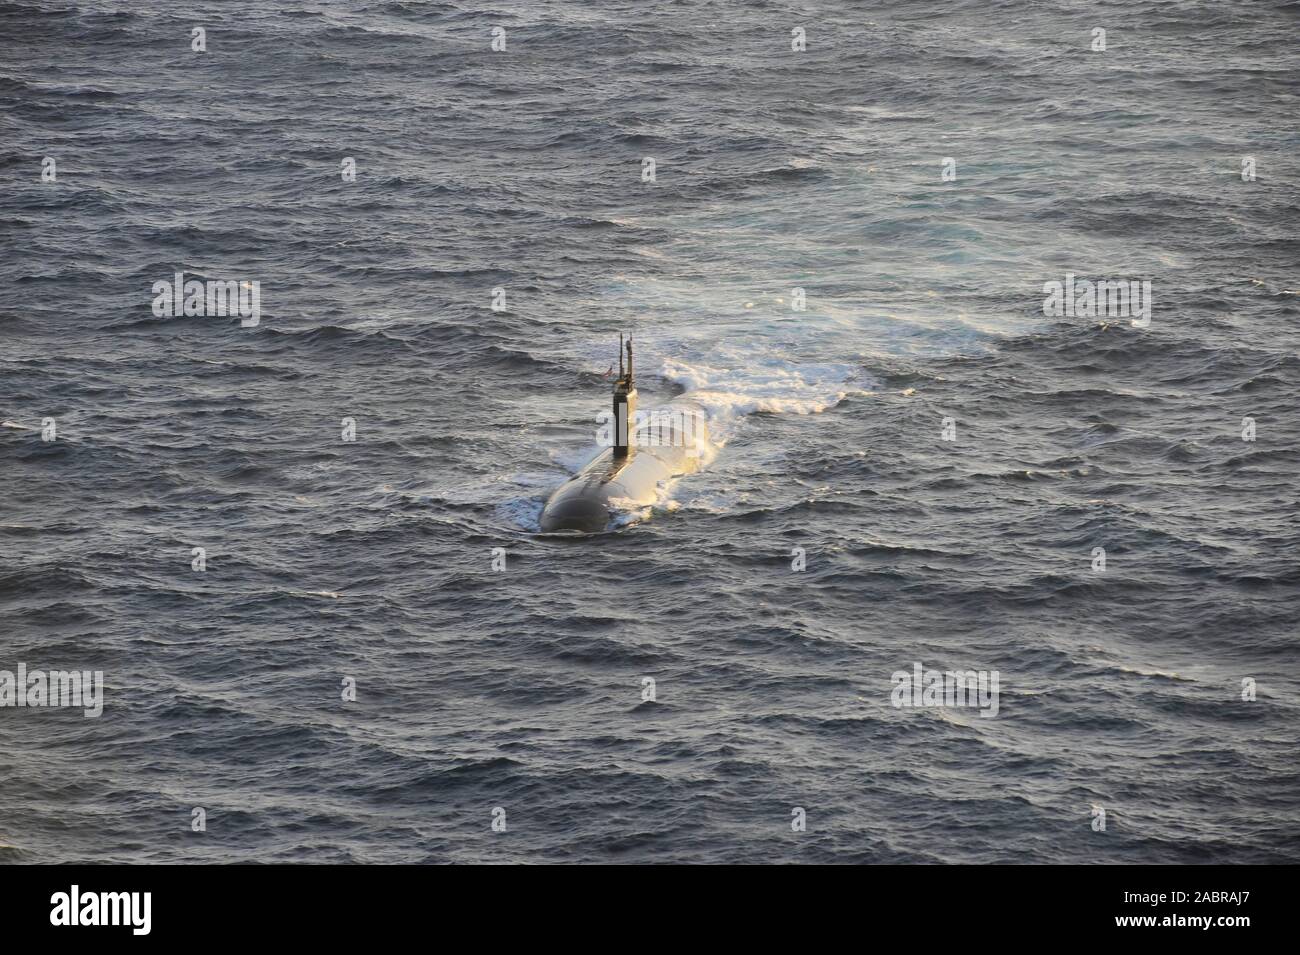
(624, 403)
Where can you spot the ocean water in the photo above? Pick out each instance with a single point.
(521, 690)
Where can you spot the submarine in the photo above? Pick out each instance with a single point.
(644, 453)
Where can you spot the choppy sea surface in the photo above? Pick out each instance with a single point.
(522, 689)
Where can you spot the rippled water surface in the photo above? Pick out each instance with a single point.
(774, 170)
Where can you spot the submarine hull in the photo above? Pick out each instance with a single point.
(668, 445)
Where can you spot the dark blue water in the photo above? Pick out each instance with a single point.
(372, 560)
